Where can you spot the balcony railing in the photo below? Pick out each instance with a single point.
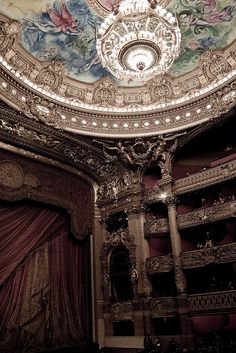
(158, 264)
(195, 181)
(212, 302)
(162, 307)
(211, 255)
(211, 214)
(199, 304)
(214, 213)
(205, 178)
(156, 226)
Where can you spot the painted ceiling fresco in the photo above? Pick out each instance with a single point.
(65, 31)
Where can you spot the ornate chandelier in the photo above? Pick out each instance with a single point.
(139, 40)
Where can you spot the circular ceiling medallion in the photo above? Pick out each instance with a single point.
(11, 175)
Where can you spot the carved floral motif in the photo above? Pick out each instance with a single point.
(163, 307)
(116, 238)
(28, 133)
(217, 212)
(205, 178)
(214, 64)
(11, 175)
(159, 264)
(214, 254)
(105, 92)
(51, 76)
(121, 310)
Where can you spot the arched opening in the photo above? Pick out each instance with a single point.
(121, 287)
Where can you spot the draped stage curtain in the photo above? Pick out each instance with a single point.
(44, 280)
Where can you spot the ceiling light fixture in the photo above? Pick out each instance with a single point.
(139, 40)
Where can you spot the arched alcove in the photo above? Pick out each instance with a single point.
(121, 287)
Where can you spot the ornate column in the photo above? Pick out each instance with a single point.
(99, 235)
(180, 279)
(136, 218)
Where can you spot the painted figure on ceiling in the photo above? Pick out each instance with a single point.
(62, 21)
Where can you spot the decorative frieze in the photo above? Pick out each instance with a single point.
(211, 255)
(120, 237)
(212, 302)
(162, 307)
(159, 264)
(29, 134)
(122, 310)
(211, 214)
(154, 226)
(203, 303)
(152, 195)
(195, 181)
(207, 215)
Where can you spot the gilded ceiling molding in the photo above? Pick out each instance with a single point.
(59, 145)
(106, 108)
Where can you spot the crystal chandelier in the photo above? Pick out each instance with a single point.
(139, 40)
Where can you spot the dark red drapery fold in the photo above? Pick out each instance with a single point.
(43, 271)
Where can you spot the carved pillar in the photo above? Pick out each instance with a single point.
(99, 234)
(136, 228)
(136, 218)
(180, 279)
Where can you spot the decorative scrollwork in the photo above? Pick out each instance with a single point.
(141, 152)
(11, 175)
(116, 238)
(214, 64)
(214, 254)
(211, 302)
(163, 307)
(105, 92)
(51, 76)
(121, 310)
(159, 264)
(27, 133)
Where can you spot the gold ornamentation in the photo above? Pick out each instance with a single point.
(51, 76)
(27, 133)
(159, 264)
(44, 110)
(163, 307)
(213, 65)
(160, 90)
(11, 175)
(116, 238)
(211, 255)
(180, 279)
(205, 178)
(121, 310)
(212, 302)
(104, 92)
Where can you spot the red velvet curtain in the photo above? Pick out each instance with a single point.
(44, 276)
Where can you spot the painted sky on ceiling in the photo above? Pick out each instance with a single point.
(65, 31)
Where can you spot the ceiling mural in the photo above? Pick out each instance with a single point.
(50, 68)
(66, 30)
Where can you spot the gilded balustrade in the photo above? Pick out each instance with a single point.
(158, 264)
